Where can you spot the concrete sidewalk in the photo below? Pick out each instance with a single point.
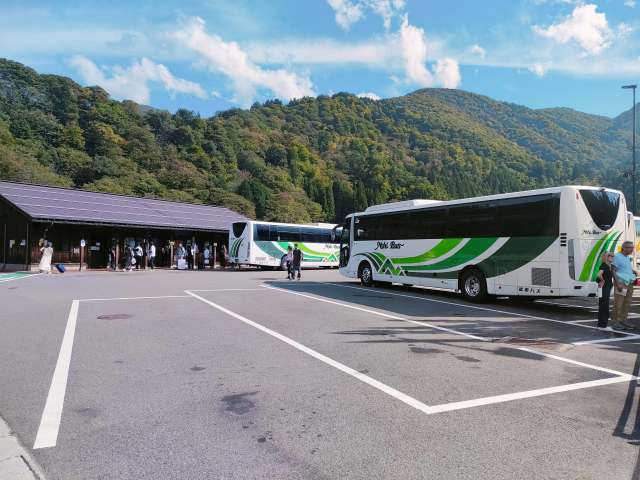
(15, 461)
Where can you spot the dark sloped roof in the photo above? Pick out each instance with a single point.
(66, 205)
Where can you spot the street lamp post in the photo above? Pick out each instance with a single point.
(633, 146)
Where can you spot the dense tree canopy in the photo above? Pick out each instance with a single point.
(315, 159)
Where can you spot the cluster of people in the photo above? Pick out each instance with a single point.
(190, 257)
(294, 262)
(134, 257)
(616, 273)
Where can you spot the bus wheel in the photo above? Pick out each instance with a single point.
(283, 263)
(473, 285)
(365, 274)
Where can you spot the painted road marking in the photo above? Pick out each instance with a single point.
(13, 278)
(487, 309)
(323, 358)
(393, 317)
(619, 377)
(47, 435)
(607, 340)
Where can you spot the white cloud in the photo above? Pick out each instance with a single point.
(478, 50)
(370, 95)
(630, 3)
(539, 69)
(133, 82)
(624, 30)
(414, 53)
(584, 26)
(448, 73)
(348, 12)
(246, 77)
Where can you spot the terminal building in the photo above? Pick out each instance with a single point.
(83, 226)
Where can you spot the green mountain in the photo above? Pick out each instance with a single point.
(310, 160)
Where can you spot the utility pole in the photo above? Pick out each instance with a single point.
(633, 146)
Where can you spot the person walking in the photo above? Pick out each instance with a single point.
(152, 256)
(624, 277)
(605, 283)
(289, 262)
(181, 252)
(297, 261)
(45, 259)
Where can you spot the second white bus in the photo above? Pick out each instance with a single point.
(264, 244)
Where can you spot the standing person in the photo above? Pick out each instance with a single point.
(138, 255)
(297, 261)
(112, 258)
(189, 256)
(45, 260)
(128, 258)
(605, 282)
(206, 254)
(289, 262)
(180, 254)
(223, 256)
(194, 255)
(623, 276)
(152, 256)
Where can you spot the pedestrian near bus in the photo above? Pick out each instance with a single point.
(605, 283)
(297, 261)
(289, 262)
(623, 277)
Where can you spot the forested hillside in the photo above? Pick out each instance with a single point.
(310, 160)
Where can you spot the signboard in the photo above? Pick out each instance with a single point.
(82, 243)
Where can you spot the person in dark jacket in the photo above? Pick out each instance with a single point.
(297, 261)
(128, 258)
(605, 283)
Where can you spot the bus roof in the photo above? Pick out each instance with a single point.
(325, 226)
(421, 204)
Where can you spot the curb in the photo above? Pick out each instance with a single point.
(15, 461)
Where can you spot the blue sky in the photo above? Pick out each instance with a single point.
(211, 55)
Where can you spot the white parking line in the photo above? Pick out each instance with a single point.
(47, 435)
(619, 377)
(131, 298)
(323, 358)
(13, 279)
(487, 309)
(375, 312)
(608, 340)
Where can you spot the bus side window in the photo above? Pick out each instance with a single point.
(261, 233)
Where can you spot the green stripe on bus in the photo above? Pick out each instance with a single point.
(443, 247)
(472, 249)
(591, 258)
(606, 247)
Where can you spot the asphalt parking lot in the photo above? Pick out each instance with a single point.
(245, 375)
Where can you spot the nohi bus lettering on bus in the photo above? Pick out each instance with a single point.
(537, 243)
(264, 244)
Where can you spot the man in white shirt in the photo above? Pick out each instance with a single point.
(152, 256)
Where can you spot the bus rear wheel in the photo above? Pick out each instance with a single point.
(473, 285)
(365, 274)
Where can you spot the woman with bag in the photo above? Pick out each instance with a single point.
(45, 260)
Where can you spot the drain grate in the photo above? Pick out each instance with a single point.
(115, 316)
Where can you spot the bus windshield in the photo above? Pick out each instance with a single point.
(603, 207)
(238, 228)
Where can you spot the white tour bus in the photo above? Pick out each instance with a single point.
(264, 244)
(537, 243)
